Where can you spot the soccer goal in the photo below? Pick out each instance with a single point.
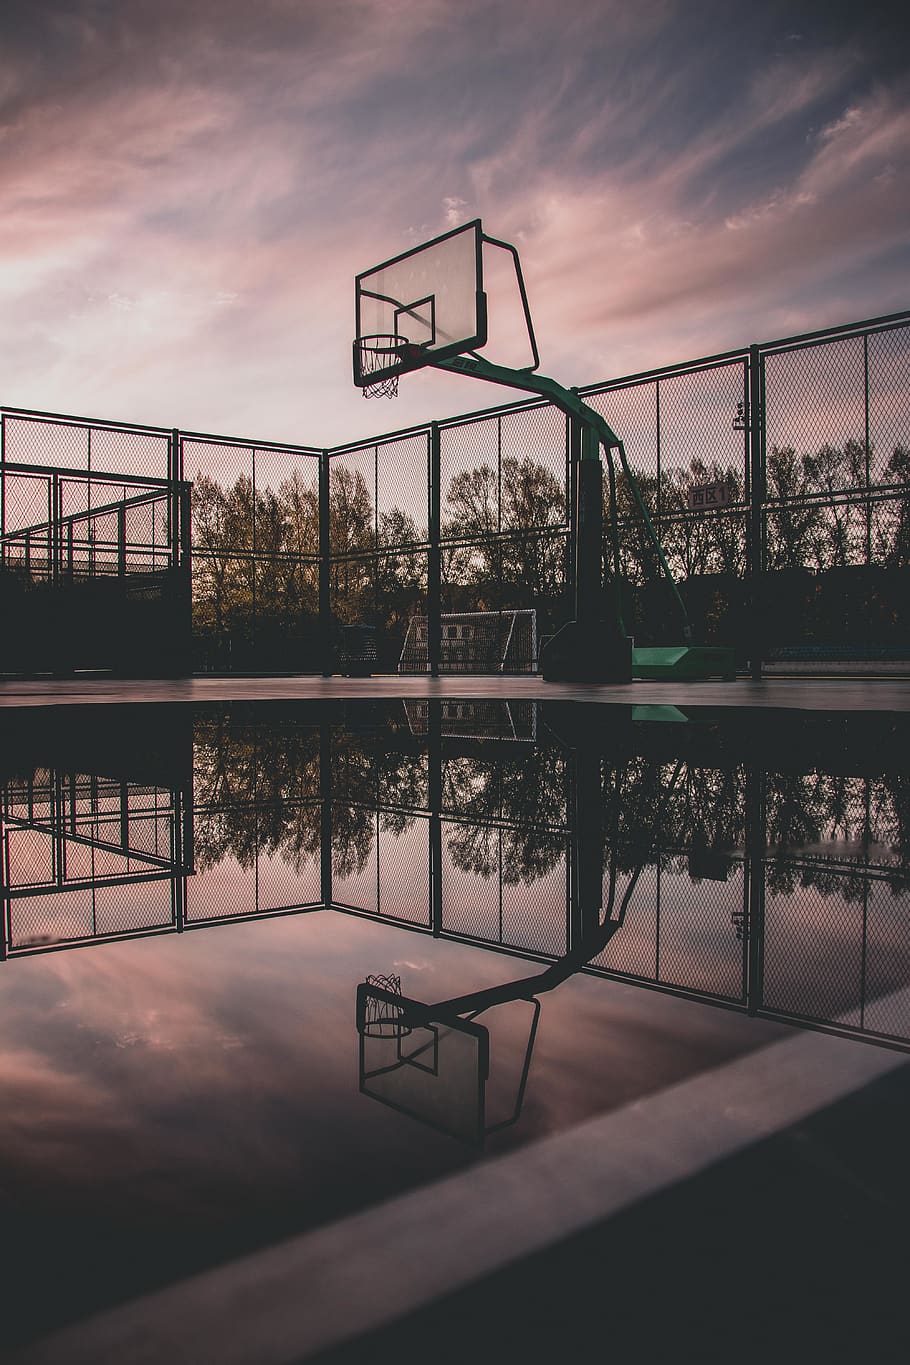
(474, 642)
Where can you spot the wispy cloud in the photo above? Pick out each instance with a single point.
(188, 191)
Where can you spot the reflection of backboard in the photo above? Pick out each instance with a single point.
(431, 296)
(435, 1071)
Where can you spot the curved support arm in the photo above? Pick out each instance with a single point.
(569, 402)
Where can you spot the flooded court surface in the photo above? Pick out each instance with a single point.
(571, 907)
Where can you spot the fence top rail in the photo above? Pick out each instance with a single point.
(882, 324)
(627, 381)
(82, 423)
(390, 438)
(247, 443)
(738, 355)
(47, 471)
(444, 424)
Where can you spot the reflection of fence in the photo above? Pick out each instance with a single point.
(780, 892)
(832, 959)
(86, 858)
(810, 435)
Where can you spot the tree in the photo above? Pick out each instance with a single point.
(533, 507)
(832, 472)
(792, 518)
(891, 519)
(351, 536)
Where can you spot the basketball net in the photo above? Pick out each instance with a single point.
(376, 354)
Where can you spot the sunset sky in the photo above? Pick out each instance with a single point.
(190, 186)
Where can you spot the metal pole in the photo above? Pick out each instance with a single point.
(175, 475)
(434, 558)
(756, 424)
(573, 455)
(588, 534)
(121, 543)
(756, 803)
(325, 620)
(867, 451)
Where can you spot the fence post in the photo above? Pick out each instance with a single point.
(756, 849)
(121, 542)
(325, 606)
(54, 537)
(175, 475)
(434, 801)
(434, 556)
(756, 506)
(325, 809)
(573, 436)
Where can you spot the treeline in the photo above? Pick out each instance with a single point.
(257, 791)
(836, 552)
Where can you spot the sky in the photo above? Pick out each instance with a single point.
(190, 187)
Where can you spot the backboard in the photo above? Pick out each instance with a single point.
(431, 296)
(435, 1071)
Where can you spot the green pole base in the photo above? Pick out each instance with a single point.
(685, 663)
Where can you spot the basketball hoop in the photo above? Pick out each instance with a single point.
(377, 353)
(384, 1018)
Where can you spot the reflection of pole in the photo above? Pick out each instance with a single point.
(4, 898)
(178, 879)
(587, 846)
(325, 798)
(755, 919)
(434, 788)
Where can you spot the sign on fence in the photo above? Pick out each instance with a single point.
(708, 495)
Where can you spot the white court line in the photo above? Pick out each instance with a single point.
(347, 1279)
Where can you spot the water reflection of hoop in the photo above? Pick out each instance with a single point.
(384, 1018)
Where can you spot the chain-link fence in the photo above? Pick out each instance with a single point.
(800, 549)
(256, 554)
(453, 542)
(94, 547)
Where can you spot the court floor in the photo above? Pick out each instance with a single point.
(812, 694)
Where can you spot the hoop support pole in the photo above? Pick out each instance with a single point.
(568, 401)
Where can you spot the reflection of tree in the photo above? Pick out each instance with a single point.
(255, 790)
(353, 828)
(648, 820)
(523, 797)
(366, 776)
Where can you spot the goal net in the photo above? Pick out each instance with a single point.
(474, 642)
